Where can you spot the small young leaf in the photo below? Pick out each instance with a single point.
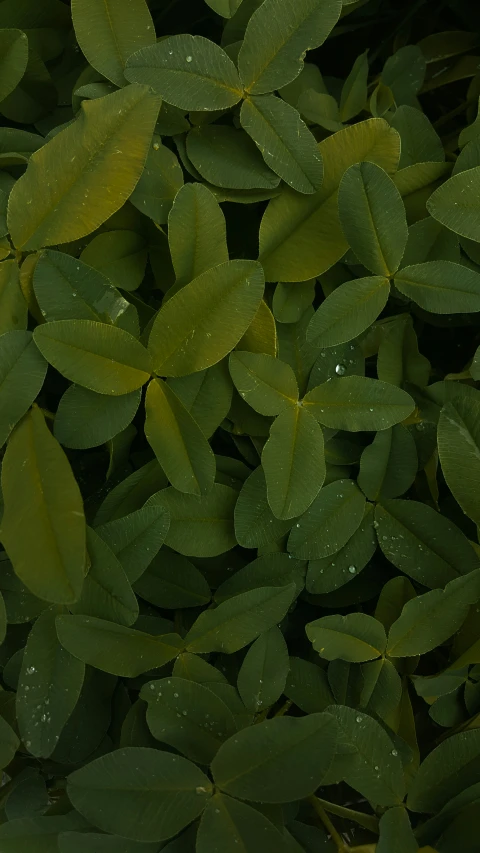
(348, 311)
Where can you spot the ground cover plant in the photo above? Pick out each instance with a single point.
(239, 426)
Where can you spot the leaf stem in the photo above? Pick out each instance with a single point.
(284, 709)
(337, 839)
(369, 822)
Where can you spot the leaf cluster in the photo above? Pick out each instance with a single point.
(239, 426)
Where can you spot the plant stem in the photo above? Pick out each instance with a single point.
(455, 112)
(283, 710)
(337, 839)
(369, 822)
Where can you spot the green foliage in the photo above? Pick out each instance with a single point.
(239, 426)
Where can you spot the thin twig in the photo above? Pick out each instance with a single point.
(337, 839)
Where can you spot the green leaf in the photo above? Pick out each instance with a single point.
(106, 591)
(374, 767)
(191, 72)
(449, 769)
(441, 287)
(187, 716)
(454, 203)
(49, 687)
(13, 308)
(22, 373)
(301, 236)
(422, 543)
(354, 91)
(263, 673)
(161, 179)
(112, 791)
(399, 359)
(121, 255)
(196, 233)
(171, 581)
(81, 842)
(291, 300)
(275, 569)
(109, 31)
(420, 141)
(328, 524)
(428, 620)
(276, 761)
(14, 58)
(61, 196)
(18, 835)
(307, 686)
(207, 395)
(354, 638)
(293, 460)
(203, 322)
(265, 383)
(39, 490)
(268, 64)
(177, 441)
(228, 158)
(365, 194)
(230, 825)
(114, 648)
(240, 620)
(458, 448)
(132, 492)
(332, 572)
(86, 419)
(200, 526)
(396, 834)
(68, 289)
(382, 688)
(96, 356)
(226, 8)
(348, 311)
(358, 403)
(255, 523)
(136, 538)
(389, 464)
(286, 143)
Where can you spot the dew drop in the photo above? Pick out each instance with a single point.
(189, 58)
(352, 569)
(31, 670)
(340, 370)
(394, 752)
(156, 146)
(359, 719)
(175, 695)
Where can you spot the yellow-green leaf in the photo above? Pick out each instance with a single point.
(268, 63)
(61, 196)
(177, 441)
(203, 322)
(95, 355)
(43, 526)
(293, 460)
(301, 236)
(108, 31)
